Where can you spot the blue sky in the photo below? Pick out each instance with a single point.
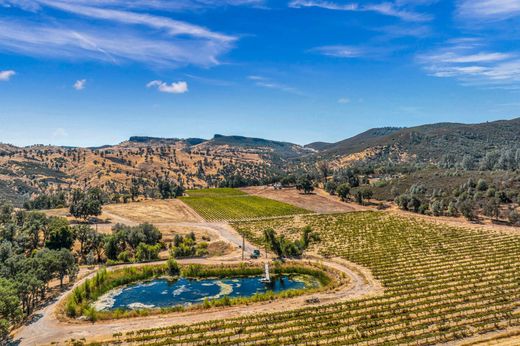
(92, 72)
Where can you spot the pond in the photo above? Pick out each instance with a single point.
(162, 292)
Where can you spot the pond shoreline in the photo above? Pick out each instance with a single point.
(169, 292)
(81, 302)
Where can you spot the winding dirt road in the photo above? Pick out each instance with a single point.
(46, 328)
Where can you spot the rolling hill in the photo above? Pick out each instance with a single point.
(195, 162)
(426, 143)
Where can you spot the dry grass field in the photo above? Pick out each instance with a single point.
(314, 202)
(153, 211)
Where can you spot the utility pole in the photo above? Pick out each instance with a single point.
(243, 246)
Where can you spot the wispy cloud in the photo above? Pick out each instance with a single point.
(163, 5)
(173, 88)
(268, 83)
(101, 32)
(341, 51)
(209, 81)
(471, 62)
(343, 100)
(79, 84)
(398, 9)
(6, 75)
(488, 9)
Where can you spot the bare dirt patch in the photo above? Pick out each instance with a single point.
(153, 211)
(315, 202)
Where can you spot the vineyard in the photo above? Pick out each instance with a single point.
(232, 204)
(441, 284)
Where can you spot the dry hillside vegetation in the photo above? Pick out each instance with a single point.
(30, 170)
(441, 284)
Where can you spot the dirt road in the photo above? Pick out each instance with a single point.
(49, 329)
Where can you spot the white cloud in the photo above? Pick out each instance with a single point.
(268, 83)
(80, 84)
(173, 88)
(6, 75)
(163, 5)
(392, 9)
(344, 100)
(109, 30)
(469, 61)
(488, 9)
(340, 51)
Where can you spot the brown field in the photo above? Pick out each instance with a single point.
(153, 211)
(315, 202)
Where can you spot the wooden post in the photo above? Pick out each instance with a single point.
(243, 246)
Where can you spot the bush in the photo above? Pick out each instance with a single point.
(124, 257)
(173, 267)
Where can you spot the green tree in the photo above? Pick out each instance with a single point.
(66, 265)
(61, 235)
(84, 205)
(10, 311)
(343, 191)
(331, 187)
(305, 184)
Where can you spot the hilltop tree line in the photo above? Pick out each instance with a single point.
(87, 203)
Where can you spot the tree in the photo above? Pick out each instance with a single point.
(331, 187)
(173, 267)
(10, 311)
(482, 185)
(168, 189)
(324, 169)
(283, 247)
(492, 208)
(6, 212)
(304, 184)
(34, 224)
(514, 217)
(84, 234)
(343, 190)
(467, 209)
(436, 208)
(145, 252)
(60, 234)
(468, 163)
(66, 265)
(84, 205)
(134, 189)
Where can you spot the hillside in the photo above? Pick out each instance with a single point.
(196, 162)
(193, 162)
(426, 143)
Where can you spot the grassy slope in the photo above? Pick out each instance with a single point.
(233, 204)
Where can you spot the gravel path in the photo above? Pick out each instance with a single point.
(46, 328)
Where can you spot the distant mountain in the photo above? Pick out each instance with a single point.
(159, 140)
(196, 162)
(357, 143)
(318, 145)
(281, 149)
(428, 143)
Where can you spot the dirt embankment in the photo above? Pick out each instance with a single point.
(315, 202)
